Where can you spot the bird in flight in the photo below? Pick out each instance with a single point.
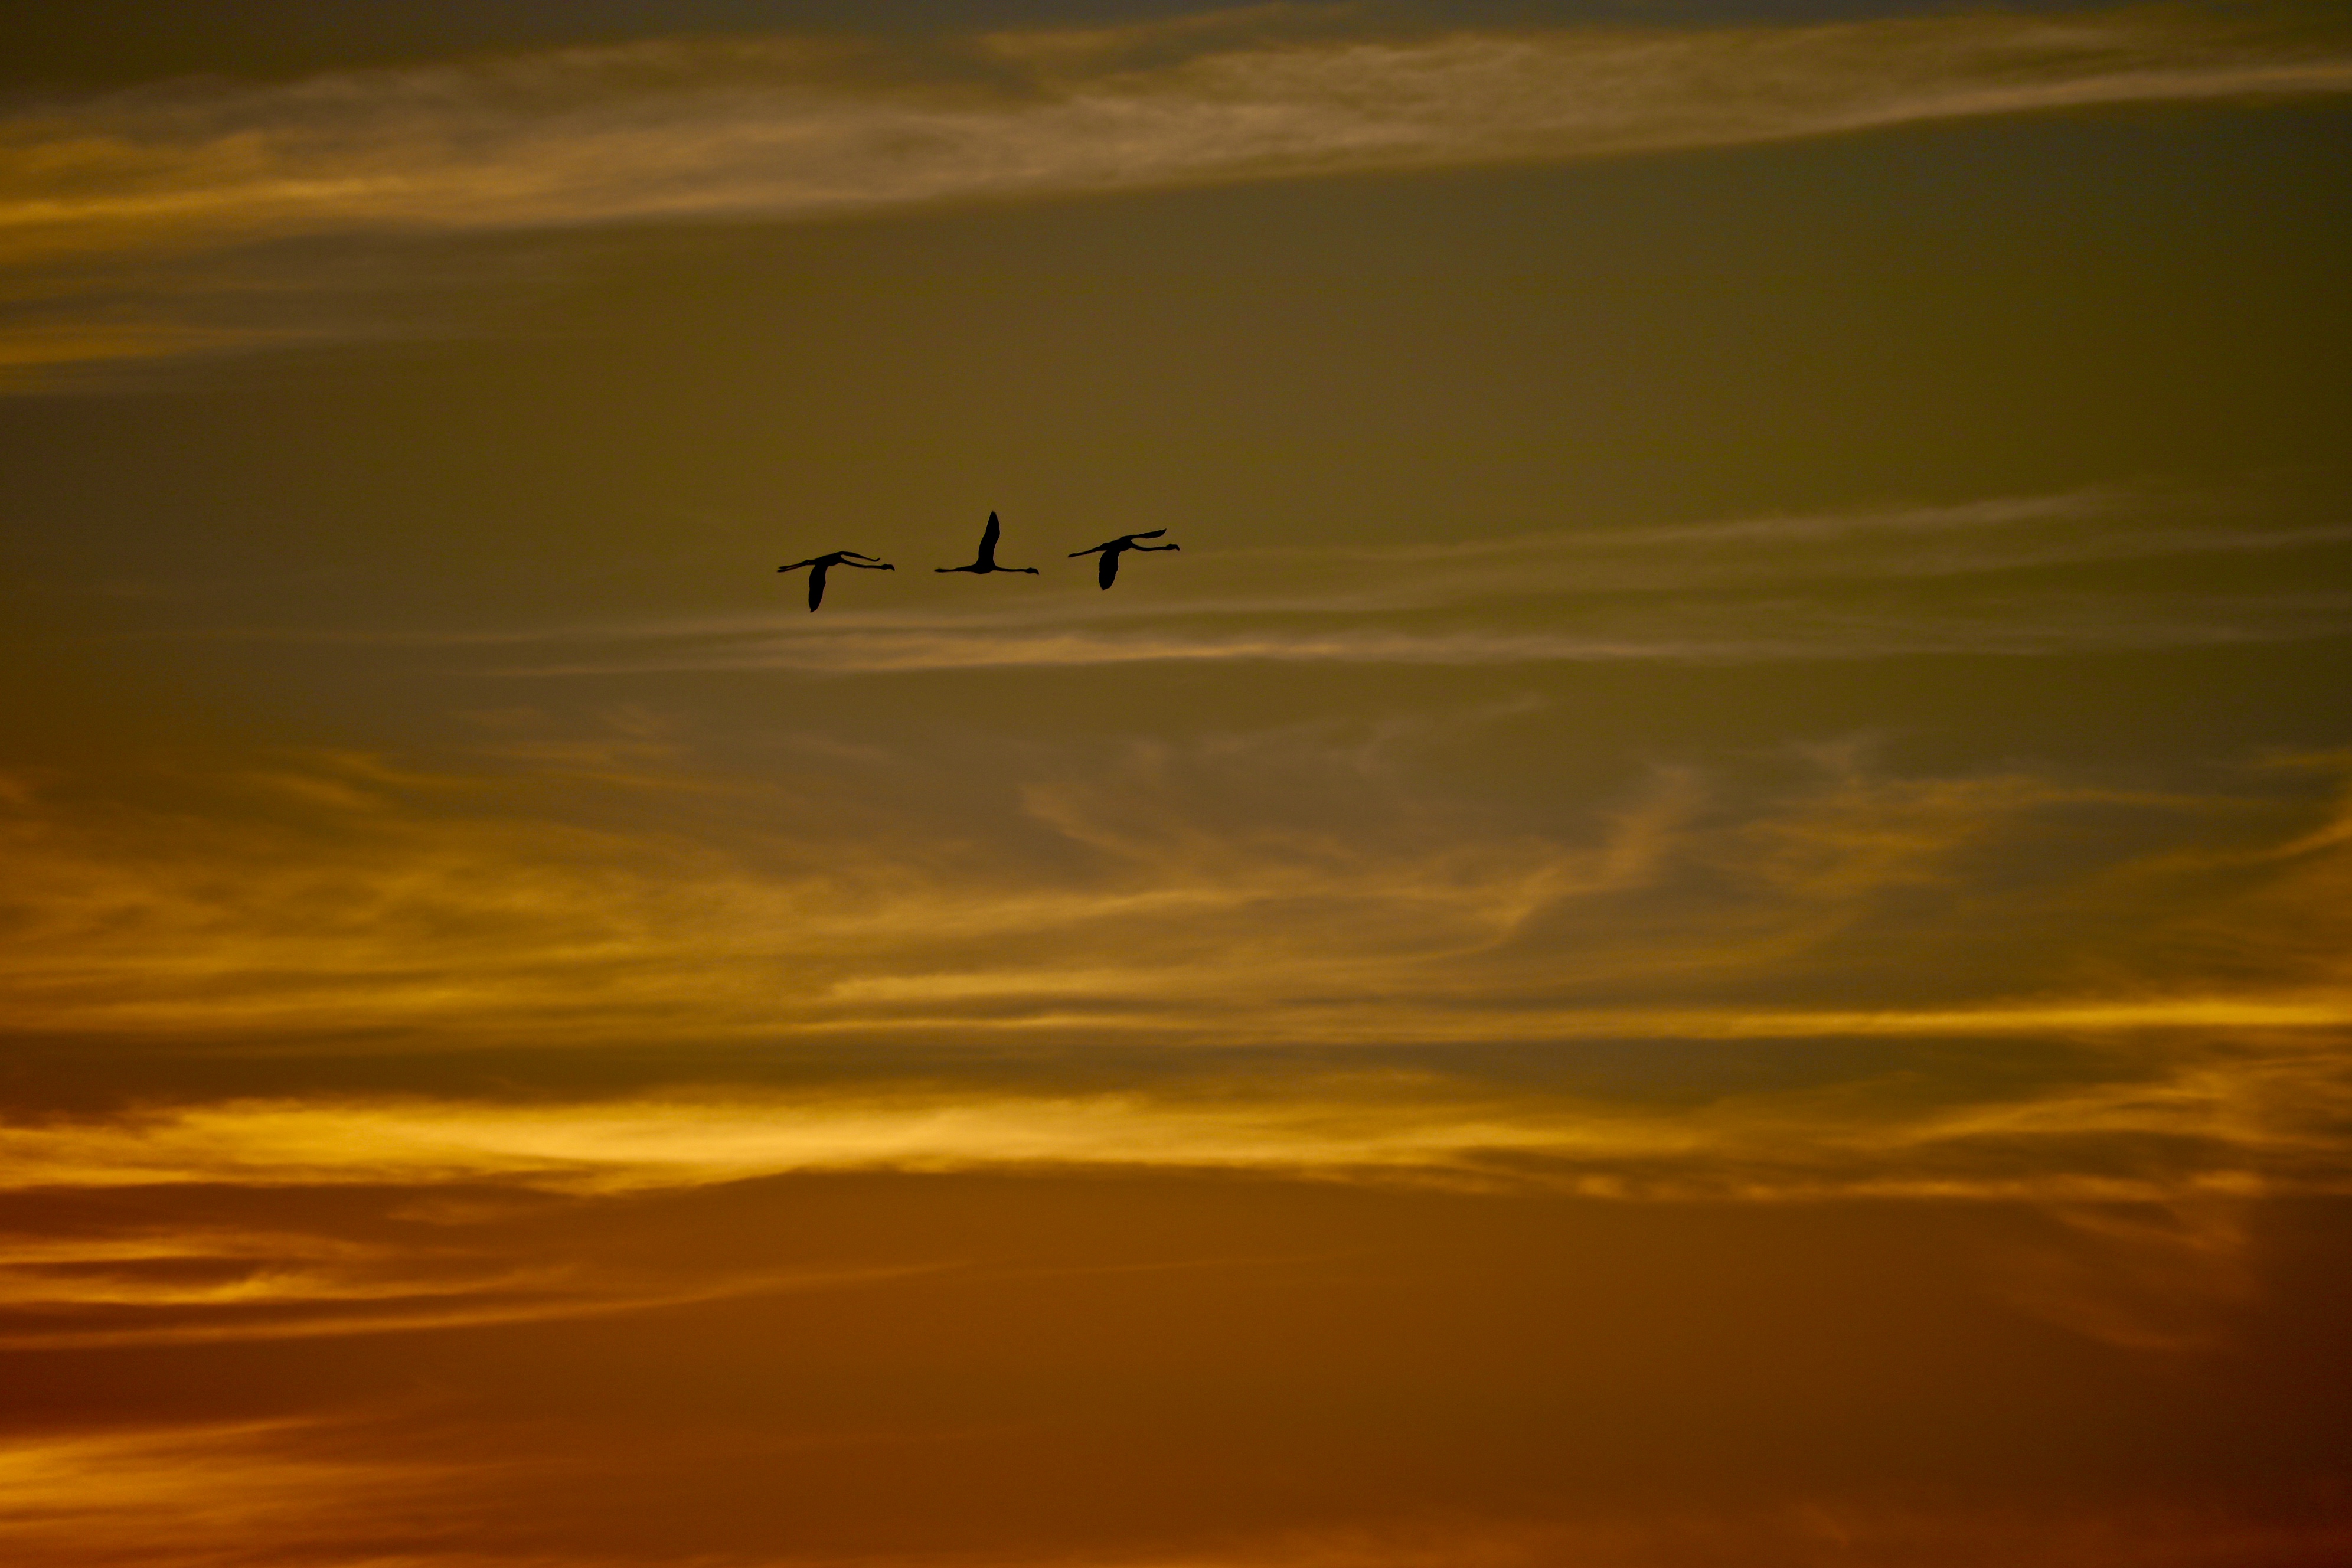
(986, 560)
(1118, 547)
(822, 564)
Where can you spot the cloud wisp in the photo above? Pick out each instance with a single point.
(2233, 1117)
(196, 1285)
(789, 128)
(1777, 632)
(181, 1494)
(792, 129)
(1954, 579)
(1989, 578)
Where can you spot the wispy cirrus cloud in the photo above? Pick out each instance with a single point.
(789, 129)
(795, 127)
(207, 1282)
(1954, 579)
(2215, 1115)
(1774, 633)
(182, 1494)
(198, 1284)
(1165, 894)
(2183, 991)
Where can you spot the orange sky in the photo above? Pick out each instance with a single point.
(1705, 921)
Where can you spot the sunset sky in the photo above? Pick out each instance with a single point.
(1707, 921)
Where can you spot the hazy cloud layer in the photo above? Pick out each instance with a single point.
(791, 128)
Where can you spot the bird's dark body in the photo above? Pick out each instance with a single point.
(985, 561)
(819, 565)
(1113, 549)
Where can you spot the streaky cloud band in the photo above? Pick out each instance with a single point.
(1934, 579)
(1777, 632)
(793, 129)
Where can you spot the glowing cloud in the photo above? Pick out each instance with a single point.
(2250, 1113)
(1173, 913)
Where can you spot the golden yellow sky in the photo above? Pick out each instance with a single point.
(1707, 920)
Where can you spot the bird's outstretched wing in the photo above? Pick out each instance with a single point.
(988, 538)
(816, 587)
(1109, 572)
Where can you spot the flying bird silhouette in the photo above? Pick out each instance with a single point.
(822, 564)
(1112, 551)
(986, 560)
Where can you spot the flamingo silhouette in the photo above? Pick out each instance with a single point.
(1119, 546)
(986, 560)
(824, 564)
